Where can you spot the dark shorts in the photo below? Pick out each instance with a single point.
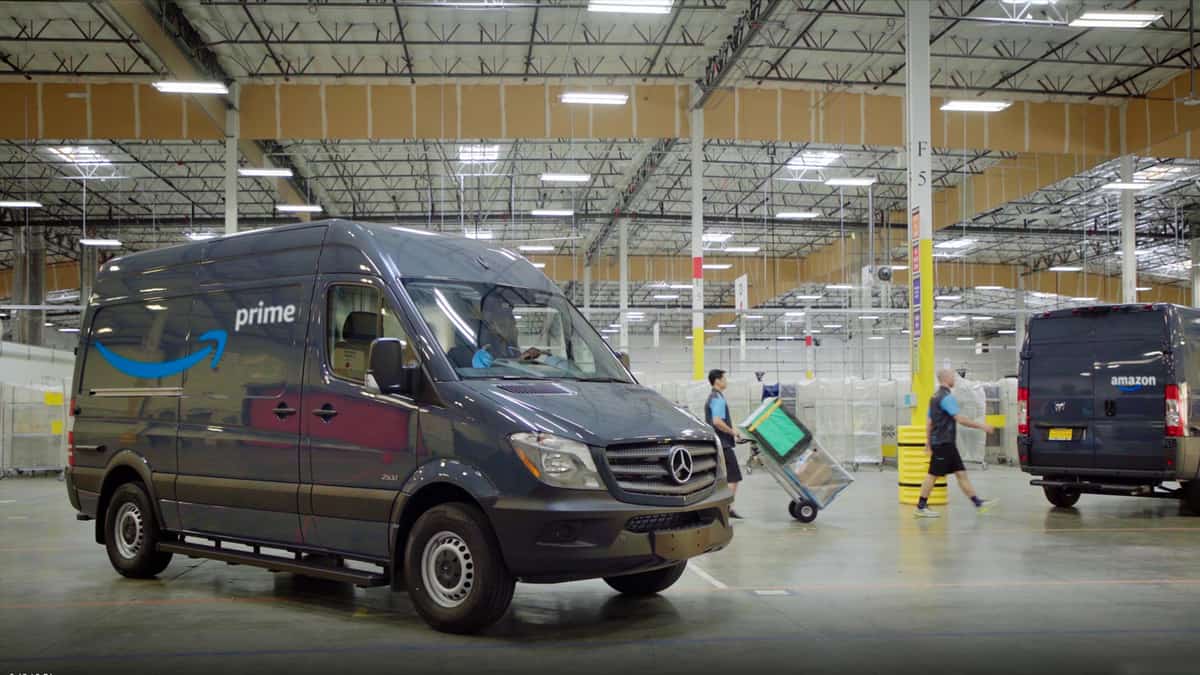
(945, 460)
(733, 472)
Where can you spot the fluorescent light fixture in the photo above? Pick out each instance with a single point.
(832, 326)
(1006, 331)
(955, 244)
(298, 208)
(1115, 20)
(479, 235)
(553, 213)
(1038, 3)
(680, 287)
(850, 182)
(614, 325)
(948, 298)
(753, 317)
(1066, 268)
(742, 249)
(727, 325)
(838, 287)
(410, 230)
(898, 268)
(1126, 186)
(793, 313)
(200, 236)
(989, 288)
(631, 6)
(1083, 299)
(1143, 289)
(717, 266)
(982, 318)
(79, 156)
(876, 337)
(68, 330)
(786, 337)
(975, 106)
(566, 177)
(797, 215)
(712, 330)
(716, 237)
(156, 308)
(965, 339)
(478, 154)
(818, 159)
(18, 204)
(49, 325)
(265, 173)
(954, 319)
(814, 331)
(609, 330)
(100, 243)
(807, 297)
(869, 317)
(540, 266)
(667, 296)
(594, 98)
(191, 87)
(535, 248)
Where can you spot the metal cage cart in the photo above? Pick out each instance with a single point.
(32, 428)
(810, 476)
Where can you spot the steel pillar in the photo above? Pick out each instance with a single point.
(697, 183)
(29, 283)
(1128, 236)
(920, 204)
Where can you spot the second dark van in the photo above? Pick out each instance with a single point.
(1105, 402)
(378, 405)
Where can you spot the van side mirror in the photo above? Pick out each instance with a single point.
(623, 357)
(387, 370)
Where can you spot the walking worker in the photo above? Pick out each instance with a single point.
(941, 429)
(716, 414)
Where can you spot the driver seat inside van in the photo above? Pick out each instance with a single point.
(354, 346)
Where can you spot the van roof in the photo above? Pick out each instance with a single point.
(1104, 309)
(394, 250)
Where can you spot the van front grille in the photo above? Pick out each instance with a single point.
(646, 470)
(667, 522)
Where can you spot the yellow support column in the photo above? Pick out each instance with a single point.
(913, 465)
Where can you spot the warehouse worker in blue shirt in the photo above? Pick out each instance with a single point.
(940, 433)
(716, 414)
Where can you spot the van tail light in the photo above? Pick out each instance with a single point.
(1176, 410)
(1023, 411)
(70, 448)
(71, 410)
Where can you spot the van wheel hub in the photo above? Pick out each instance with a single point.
(130, 530)
(447, 569)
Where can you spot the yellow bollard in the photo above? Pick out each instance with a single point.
(913, 465)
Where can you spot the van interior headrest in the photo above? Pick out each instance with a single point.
(360, 326)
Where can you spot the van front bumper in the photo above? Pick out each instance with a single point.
(576, 534)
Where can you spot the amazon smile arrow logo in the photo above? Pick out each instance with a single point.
(167, 368)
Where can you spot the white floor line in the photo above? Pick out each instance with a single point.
(698, 571)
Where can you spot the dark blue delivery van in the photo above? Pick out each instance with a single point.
(378, 405)
(1105, 404)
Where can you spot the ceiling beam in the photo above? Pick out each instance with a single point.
(745, 29)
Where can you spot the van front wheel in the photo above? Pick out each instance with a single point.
(1062, 497)
(455, 574)
(647, 583)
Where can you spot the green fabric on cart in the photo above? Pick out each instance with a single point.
(780, 433)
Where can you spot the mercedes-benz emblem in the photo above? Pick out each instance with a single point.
(680, 461)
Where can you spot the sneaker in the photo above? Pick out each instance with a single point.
(734, 514)
(986, 505)
(926, 513)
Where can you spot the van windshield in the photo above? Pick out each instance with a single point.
(501, 331)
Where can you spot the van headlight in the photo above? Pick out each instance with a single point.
(557, 461)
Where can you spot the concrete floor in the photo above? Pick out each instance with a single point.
(1111, 587)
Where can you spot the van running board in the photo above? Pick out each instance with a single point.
(276, 564)
(1094, 488)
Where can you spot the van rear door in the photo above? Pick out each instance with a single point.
(1130, 383)
(1059, 364)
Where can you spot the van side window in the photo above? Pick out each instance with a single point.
(145, 332)
(357, 316)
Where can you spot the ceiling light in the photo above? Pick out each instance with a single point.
(712, 330)
(832, 326)
(797, 215)
(68, 330)
(156, 308)
(539, 265)
(716, 237)
(982, 318)
(669, 296)
(717, 266)
(100, 243)
(727, 325)
(594, 98)
(18, 204)
(480, 235)
(1115, 20)
(955, 243)
(838, 287)
(560, 213)
(535, 248)
(786, 337)
(1143, 289)
(1129, 186)
(807, 297)
(753, 317)
(742, 249)
(272, 173)
(814, 332)
(79, 156)
(1006, 331)
(947, 297)
(813, 160)
(191, 87)
(298, 208)
(876, 337)
(680, 287)
(631, 6)
(566, 177)
(200, 236)
(609, 330)
(869, 317)
(793, 313)
(1083, 299)
(954, 319)
(989, 288)
(975, 106)
(478, 154)
(965, 339)
(1066, 268)
(850, 182)
(49, 325)
(898, 268)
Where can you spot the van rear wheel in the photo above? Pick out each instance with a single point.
(1062, 497)
(1191, 496)
(647, 583)
(455, 574)
(131, 534)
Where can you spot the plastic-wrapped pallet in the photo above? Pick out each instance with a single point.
(866, 437)
(34, 425)
(833, 418)
(972, 403)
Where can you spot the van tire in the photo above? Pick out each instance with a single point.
(1062, 497)
(647, 583)
(131, 534)
(1191, 496)
(468, 587)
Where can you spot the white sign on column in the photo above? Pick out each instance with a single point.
(741, 303)
(656, 329)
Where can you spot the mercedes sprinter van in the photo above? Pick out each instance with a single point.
(1105, 403)
(378, 405)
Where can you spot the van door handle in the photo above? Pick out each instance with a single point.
(325, 412)
(283, 411)
(1110, 408)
